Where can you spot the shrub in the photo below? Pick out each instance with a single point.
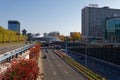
(21, 69)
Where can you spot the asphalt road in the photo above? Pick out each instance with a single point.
(5, 49)
(109, 71)
(54, 68)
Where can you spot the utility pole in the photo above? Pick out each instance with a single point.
(66, 46)
(86, 52)
(96, 37)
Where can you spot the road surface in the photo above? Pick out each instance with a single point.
(110, 72)
(54, 68)
(4, 49)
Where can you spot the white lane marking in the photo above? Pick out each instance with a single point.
(66, 72)
(54, 73)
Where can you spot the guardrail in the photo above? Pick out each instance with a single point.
(16, 52)
(85, 71)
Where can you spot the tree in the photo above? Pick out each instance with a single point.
(10, 36)
(69, 38)
(76, 36)
(62, 37)
(24, 32)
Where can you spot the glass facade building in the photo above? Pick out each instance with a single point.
(94, 23)
(112, 32)
(14, 26)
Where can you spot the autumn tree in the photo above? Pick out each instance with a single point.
(62, 37)
(76, 36)
(69, 38)
(10, 36)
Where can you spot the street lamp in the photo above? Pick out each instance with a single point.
(96, 37)
(86, 52)
(66, 47)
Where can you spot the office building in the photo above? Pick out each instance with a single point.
(94, 21)
(112, 32)
(14, 26)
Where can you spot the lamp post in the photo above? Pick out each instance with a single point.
(86, 52)
(66, 46)
(96, 37)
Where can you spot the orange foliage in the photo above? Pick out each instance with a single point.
(35, 52)
(21, 69)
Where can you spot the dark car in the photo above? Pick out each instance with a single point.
(46, 51)
(81, 57)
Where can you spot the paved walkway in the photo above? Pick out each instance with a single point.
(41, 76)
(3, 66)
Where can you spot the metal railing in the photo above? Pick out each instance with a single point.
(16, 52)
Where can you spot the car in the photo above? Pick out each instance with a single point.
(46, 51)
(81, 57)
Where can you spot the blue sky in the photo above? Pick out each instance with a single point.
(43, 16)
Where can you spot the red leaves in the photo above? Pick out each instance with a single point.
(22, 69)
(35, 52)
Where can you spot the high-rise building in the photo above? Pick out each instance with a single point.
(112, 32)
(14, 25)
(94, 21)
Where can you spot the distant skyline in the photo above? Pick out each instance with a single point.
(44, 16)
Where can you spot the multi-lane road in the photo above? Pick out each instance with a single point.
(109, 71)
(4, 49)
(54, 68)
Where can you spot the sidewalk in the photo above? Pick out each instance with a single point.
(24, 55)
(3, 67)
(41, 75)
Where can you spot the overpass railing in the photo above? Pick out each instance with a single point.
(20, 50)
